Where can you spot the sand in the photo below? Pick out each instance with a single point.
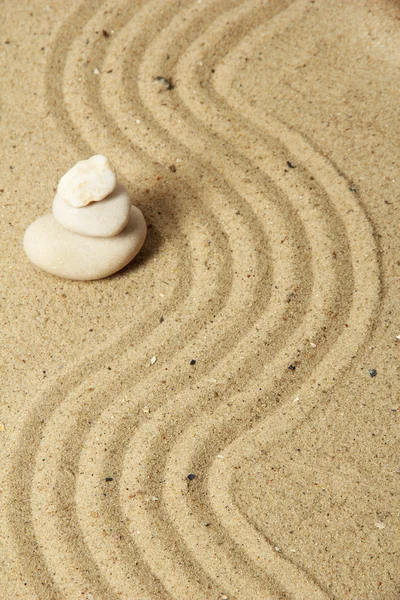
(266, 164)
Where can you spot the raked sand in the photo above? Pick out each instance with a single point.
(265, 159)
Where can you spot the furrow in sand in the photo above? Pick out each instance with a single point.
(302, 591)
(365, 268)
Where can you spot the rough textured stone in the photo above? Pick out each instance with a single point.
(88, 181)
(72, 256)
(99, 219)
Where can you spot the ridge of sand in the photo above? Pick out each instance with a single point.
(249, 262)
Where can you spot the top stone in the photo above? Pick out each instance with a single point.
(88, 181)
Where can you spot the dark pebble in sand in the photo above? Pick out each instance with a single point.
(165, 82)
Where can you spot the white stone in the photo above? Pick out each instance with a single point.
(72, 256)
(98, 219)
(88, 181)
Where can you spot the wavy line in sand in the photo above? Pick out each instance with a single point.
(368, 259)
(363, 252)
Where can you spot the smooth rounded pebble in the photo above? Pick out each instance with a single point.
(98, 219)
(72, 256)
(88, 181)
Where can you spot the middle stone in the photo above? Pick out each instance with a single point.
(105, 218)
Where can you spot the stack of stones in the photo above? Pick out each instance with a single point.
(94, 230)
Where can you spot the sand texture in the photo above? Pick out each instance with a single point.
(265, 159)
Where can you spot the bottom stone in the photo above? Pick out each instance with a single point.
(72, 256)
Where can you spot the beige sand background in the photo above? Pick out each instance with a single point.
(250, 267)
